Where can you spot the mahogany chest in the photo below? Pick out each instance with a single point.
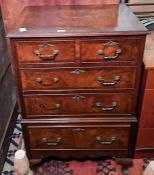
(77, 71)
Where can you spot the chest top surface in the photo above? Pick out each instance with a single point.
(75, 20)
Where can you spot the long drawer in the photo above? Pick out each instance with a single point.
(94, 103)
(78, 137)
(78, 78)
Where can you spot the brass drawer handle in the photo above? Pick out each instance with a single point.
(51, 143)
(45, 107)
(39, 80)
(101, 141)
(106, 108)
(78, 129)
(118, 52)
(78, 97)
(55, 79)
(103, 82)
(47, 57)
(58, 105)
(78, 71)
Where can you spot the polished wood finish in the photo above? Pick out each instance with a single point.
(26, 51)
(78, 154)
(77, 67)
(80, 104)
(129, 51)
(75, 20)
(81, 137)
(12, 12)
(85, 78)
(78, 148)
(145, 140)
(84, 50)
(145, 144)
(147, 109)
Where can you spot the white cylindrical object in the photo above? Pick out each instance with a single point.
(122, 1)
(149, 169)
(21, 163)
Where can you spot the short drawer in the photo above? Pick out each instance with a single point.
(45, 51)
(114, 49)
(78, 78)
(104, 103)
(81, 137)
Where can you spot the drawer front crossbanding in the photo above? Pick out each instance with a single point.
(79, 78)
(106, 103)
(110, 137)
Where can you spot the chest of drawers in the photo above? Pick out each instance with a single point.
(77, 71)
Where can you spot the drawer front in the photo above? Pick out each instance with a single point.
(107, 137)
(45, 51)
(118, 50)
(109, 103)
(78, 78)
